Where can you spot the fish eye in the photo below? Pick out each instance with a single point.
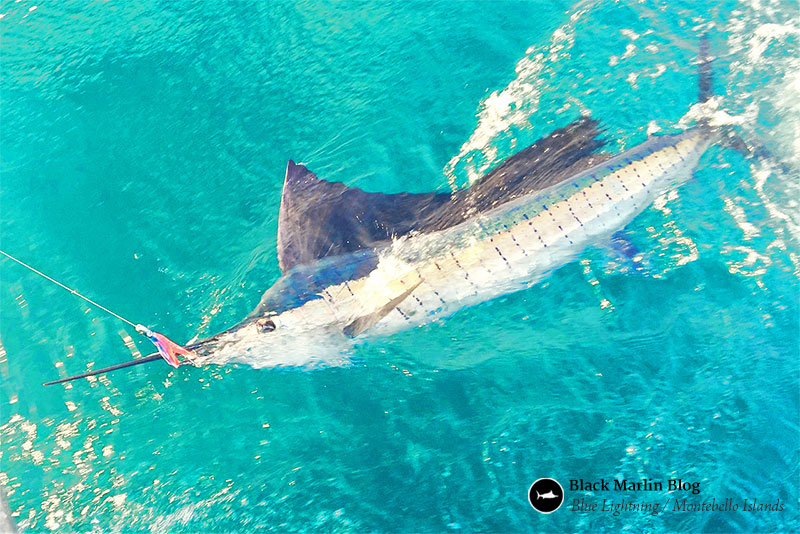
(265, 325)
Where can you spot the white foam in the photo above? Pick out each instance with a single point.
(511, 106)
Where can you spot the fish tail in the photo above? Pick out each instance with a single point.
(705, 79)
(730, 136)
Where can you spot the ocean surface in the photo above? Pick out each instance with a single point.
(142, 153)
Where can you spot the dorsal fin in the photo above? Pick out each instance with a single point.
(543, 163)
(547, 162)
(319, 219)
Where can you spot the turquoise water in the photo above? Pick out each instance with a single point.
(142, 159)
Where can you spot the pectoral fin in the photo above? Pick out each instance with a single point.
(622, 255)
(365, 322)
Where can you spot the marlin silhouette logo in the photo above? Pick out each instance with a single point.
(546, 495)
(356, 264)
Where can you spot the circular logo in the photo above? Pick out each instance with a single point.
(546, 495)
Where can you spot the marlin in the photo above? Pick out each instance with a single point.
(357, 265)
(548, 495)
(361, 264)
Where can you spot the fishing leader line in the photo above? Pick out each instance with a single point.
(74, 292)
(167, 349)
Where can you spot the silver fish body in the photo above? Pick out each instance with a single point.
(424, 276)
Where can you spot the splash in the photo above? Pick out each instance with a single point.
(764, 80)
(510, 107)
